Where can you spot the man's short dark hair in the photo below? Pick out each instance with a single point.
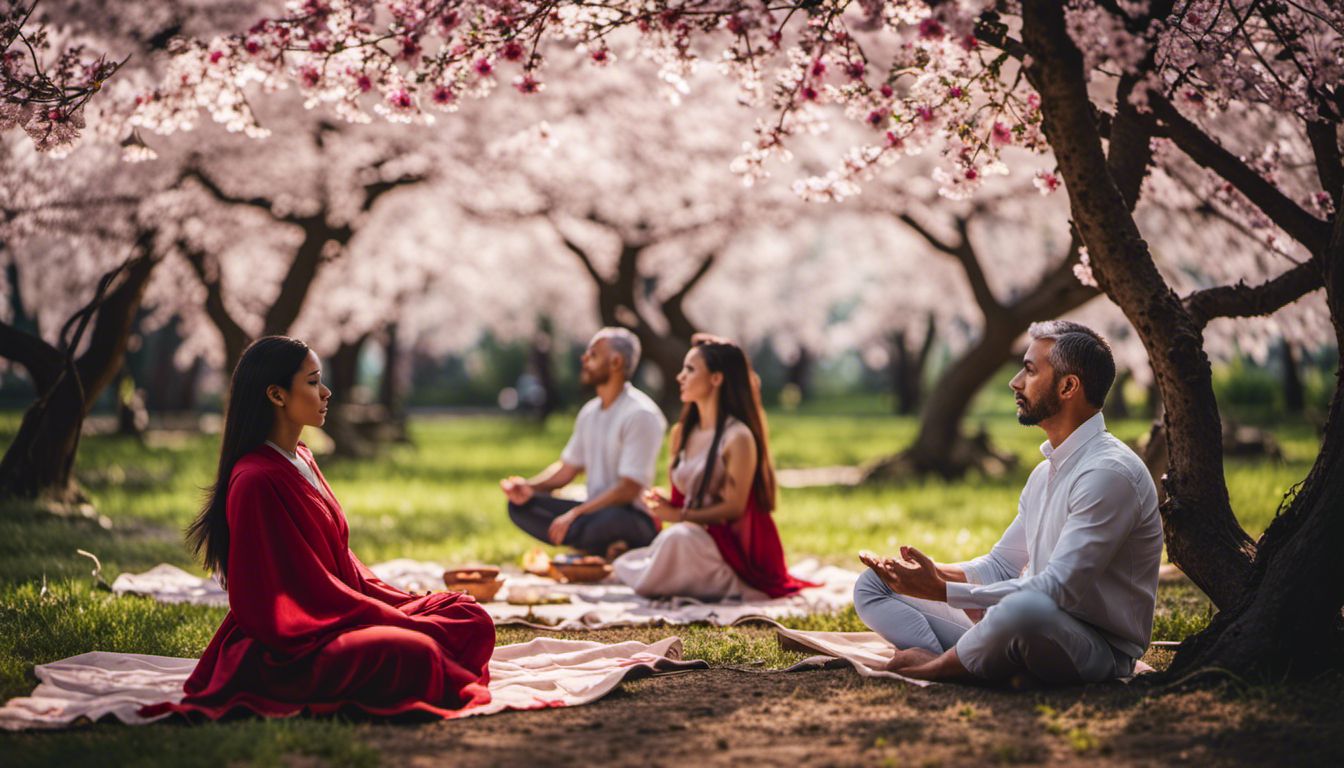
(1079, 351)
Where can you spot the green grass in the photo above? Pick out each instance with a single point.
(437, 499)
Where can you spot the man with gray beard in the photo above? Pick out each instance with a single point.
(616, 441)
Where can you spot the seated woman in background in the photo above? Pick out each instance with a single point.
(309, 626)
(725, 544)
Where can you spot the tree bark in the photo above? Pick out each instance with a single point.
(618, 305)
(39, 462)
(800, 373)
(542, 365)
(344, 414)
(1294, 395)
(1203, 536)
(1288, 621)
(392, 387)
(907, 370)
(320, 234)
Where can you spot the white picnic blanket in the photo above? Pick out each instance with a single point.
(867, 652)
(591, 606)
(543, 672)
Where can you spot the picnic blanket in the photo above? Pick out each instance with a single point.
(866, 652)
(591, 606)
(543, 672)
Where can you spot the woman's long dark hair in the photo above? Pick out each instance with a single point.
(248, 419)
(739, 398)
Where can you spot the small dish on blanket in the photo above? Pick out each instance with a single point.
(535, 594)
(580, 569)
(471, 573)
(481, 582)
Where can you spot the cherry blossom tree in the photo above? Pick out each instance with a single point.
(634, 183)
(84, 236)
(1095, 82)
(331, 177)
(82, 264)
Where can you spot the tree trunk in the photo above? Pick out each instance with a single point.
(40, 460)
(935, 448)
(941, 448)
(905, 389)
(132, 418)
(1154, 399)
(392, 387)
(800, 373)
(189, 385)
(542, 365)
(1294, 395)
(39, 463)
(1203, 536)
(1288, 622)
(344, 414)
(908, 369)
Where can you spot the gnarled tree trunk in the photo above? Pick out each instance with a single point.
(39, 462)
(1279, 602)
(618, 304)
(907, 370)
(321, 231)
(1294, 394)
(941, 448)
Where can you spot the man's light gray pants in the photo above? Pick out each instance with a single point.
(1025, 632)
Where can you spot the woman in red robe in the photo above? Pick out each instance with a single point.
(309, 627)
(726, 545)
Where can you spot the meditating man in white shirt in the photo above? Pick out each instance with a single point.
(1067, 594)
(616, 441)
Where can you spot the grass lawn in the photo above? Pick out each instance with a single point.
(436, 499)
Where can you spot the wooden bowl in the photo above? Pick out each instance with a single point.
(581, 572)
(483, 591)
(476, 573)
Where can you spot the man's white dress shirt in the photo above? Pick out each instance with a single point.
(1087, 534)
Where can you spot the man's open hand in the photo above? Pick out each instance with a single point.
(516, 489)
(914, 574)
(560, 527)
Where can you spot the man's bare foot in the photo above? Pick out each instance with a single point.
(910, 657)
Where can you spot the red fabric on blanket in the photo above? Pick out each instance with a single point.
(751, 546)
(311, 628)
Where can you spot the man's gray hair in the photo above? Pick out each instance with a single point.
(624, 343)
(1079, 351)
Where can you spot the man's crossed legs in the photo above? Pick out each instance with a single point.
(1025, 633)
(593, 533)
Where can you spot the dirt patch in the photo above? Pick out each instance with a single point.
(834, 717)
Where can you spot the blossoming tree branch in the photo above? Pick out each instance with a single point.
(44, 86)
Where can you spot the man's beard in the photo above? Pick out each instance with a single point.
(1030, 414)
(593, 378)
